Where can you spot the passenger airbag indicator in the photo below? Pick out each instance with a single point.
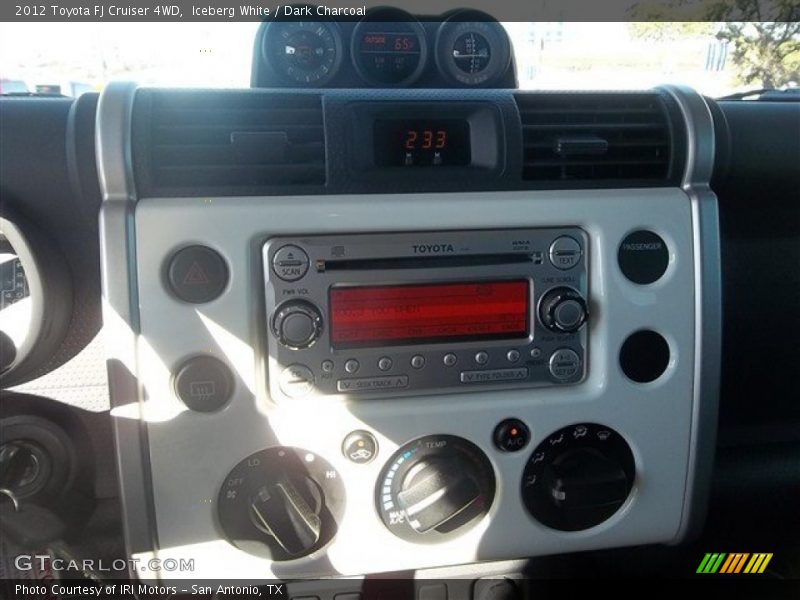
(428, 313)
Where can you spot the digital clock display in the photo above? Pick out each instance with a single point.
(421, 143)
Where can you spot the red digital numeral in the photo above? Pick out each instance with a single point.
(411, 139)
(403, 44)
(430, 139)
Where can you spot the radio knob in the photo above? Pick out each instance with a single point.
(563, 310)
(297, 324)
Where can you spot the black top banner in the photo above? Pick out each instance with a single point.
(501, 10)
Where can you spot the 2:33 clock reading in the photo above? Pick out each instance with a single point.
(407, 143)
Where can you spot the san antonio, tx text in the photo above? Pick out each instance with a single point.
(84, 591)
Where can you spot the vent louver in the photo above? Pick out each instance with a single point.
(227, 141)
(612, 137)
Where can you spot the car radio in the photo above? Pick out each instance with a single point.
(399, 313)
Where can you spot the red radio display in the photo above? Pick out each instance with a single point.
(428, 313)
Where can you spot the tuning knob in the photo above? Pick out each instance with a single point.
(435, 488)
(297, 324)
(578, 477)
(563, 310)
(281, 503)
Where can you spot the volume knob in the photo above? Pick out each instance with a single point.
(297, 324)
(563, 310)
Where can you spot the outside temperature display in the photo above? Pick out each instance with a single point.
(389, 42)
(389, 48)
(422, 143)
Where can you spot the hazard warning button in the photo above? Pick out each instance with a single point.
(197, 274)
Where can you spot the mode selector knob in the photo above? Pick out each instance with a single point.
(585, 486)
(297, 324)
(578, 477)
(563, 310)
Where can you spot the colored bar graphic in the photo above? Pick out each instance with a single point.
(717, 563)
(704, 563)
(735, 562)
(727, 564)
(758, 563)
(711, 562)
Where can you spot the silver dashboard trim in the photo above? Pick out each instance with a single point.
(121, 311)
(708, 304)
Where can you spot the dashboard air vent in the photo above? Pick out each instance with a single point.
(621, 138)
(226, 142)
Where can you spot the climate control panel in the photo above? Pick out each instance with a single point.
(284, 503)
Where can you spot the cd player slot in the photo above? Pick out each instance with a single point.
(430, 262)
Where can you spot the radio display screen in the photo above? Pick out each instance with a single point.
(428, 313)
(421, 143)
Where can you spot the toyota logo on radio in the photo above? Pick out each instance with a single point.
(432, 248)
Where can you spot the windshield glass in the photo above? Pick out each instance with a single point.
(715, 58)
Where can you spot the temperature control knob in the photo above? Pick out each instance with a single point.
(281, 503)
(563, 310)
(297, 324)
(578, 477)
(435, 488)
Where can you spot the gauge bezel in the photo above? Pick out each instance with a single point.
(336, 35)
(495, 35)
(389, 15)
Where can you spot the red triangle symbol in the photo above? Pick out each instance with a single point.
(195, 275)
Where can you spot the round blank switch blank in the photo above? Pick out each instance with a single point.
(644, 356)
